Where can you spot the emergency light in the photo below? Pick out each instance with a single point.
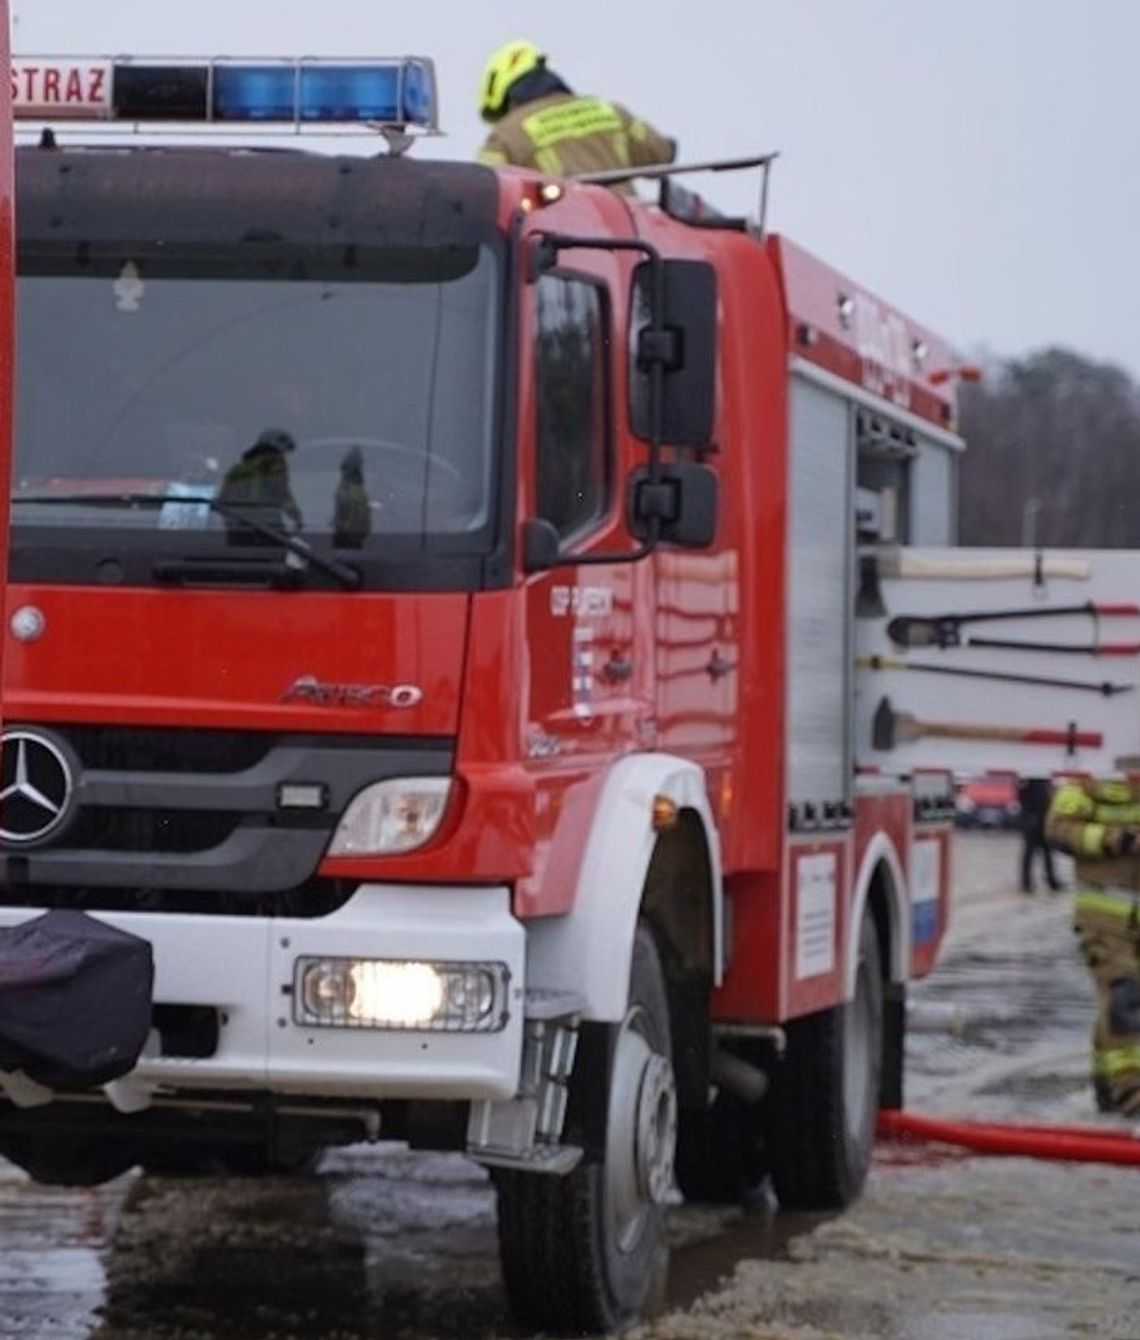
(388, 91)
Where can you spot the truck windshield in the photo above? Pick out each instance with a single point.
(345, 394)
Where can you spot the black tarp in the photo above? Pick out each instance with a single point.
(75, 999)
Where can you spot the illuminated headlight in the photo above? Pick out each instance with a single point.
(392, 816)
(397, 993)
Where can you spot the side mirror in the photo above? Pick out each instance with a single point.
(682, 339)
(684, 500)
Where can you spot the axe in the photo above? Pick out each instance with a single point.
(894, 562)
(899, 563)
(891, 728)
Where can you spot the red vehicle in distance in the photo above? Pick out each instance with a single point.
(987, 802)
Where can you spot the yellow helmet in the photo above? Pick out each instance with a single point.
(507, 65)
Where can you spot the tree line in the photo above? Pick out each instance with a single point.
(1054, 454)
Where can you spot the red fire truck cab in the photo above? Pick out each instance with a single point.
(431, 633)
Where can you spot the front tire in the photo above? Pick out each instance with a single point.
(586, 1252)
(824, 1104)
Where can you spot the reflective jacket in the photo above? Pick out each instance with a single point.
(1095, 820)
(565, 134)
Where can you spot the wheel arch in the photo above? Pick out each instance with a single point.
(629, 870)
(880, 887)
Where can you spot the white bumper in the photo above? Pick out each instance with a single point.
(243, 967)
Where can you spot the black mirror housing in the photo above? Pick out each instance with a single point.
(682, 339)
(684, 500)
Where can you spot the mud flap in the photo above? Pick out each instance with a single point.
(894, 1045)
(75, 1000)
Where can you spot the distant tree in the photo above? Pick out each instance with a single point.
(1054, 454)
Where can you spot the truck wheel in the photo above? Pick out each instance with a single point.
(822, 1110)
(585, 1252)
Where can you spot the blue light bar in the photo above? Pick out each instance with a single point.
(387, 92)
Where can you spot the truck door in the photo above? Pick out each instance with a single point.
(589, 627)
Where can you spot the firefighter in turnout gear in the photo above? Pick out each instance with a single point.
(539, 123)
(1098, 822)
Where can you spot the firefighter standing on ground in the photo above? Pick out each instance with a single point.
(539, 123)
(1098, 821)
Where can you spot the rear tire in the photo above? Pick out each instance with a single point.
(586, 1252)
(824, 1103)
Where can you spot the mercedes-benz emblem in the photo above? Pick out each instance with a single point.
(37, 784)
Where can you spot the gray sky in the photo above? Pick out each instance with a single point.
(972, 161)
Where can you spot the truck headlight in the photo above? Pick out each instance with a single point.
(393, 816)
(400, 993)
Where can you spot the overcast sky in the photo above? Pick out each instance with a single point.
(972, 161)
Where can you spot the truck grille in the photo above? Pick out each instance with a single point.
(200, 819)
(146, 749)
(149, 830)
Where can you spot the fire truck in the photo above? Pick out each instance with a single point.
(7, 265)
(431, 664)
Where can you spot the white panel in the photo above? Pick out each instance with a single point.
(932, 495)
(1097, 696)
(246, 964)
(818, 596)
(815, 914)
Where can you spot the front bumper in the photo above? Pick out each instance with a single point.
(243, 967)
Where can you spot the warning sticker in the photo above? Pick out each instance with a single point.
(815, 914)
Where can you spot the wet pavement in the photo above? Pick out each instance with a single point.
(382, 1243)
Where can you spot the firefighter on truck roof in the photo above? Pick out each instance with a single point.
(538, 122)
(1097, 820)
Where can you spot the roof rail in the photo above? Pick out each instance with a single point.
(693, 209)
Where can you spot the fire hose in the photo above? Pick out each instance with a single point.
(1073, 1144)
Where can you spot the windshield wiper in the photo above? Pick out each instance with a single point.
(347, 576)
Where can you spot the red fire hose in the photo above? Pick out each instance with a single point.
(1076, 1144)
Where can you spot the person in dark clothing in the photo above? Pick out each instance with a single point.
(1034, 795)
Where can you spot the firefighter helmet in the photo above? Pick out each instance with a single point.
(505, 67)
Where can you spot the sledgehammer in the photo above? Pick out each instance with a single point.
(891, 728)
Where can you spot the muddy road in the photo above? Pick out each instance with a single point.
(942, 1246)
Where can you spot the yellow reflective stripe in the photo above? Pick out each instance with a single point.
(1109, 792)
(1091, 840)
(639, 130)
(1118, 814)
(493, 157)
(571, 121)
(1122, 905)
(1117, 1061)
(1072, 802)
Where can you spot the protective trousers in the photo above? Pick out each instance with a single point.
(1108, 924)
